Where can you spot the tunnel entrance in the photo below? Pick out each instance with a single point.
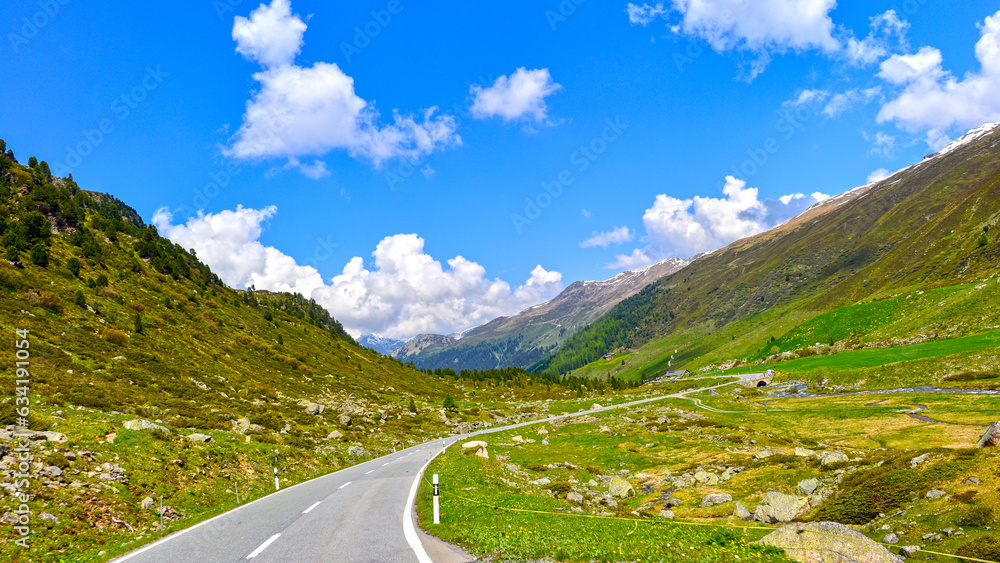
(761, 384)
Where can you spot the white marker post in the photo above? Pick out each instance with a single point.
(276, 478)
(437, 507)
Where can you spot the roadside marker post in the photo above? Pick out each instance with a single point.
(276, 479)
(437, 507)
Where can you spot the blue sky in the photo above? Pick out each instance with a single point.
(570, 140)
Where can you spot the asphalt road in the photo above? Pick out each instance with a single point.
(360, 514)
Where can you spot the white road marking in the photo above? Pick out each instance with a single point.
(386, 463)
(408, 530)
(344, 485)
(306, 511)
(372, 471)
(263, 546)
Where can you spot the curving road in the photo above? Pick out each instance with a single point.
(359, 514)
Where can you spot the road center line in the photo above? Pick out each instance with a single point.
(372, 471)
(306, 511)
(263, 546)
(386, 463)
(344, 485)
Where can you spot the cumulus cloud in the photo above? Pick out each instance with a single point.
(887, 33)
(617, 235)
(407, 292)
(308, 111)
(878, 175)
(934, 101)
(759, 27)
(518, 96)
(271, 35)
(685, 227)
(637, 259)
(839, 103)
(644, 14)
(229, 243)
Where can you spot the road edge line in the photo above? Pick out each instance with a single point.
(409, 531)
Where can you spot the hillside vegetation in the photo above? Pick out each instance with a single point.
(896, 262)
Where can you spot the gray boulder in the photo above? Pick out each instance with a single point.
(477, 447)
(890, 539)
(143, 424)
(830, 458)
(574, 496)
(672, 502)
(827, 542)
(618, 487)
(196, 437)
(148, 503)
(991, 437)
(357, 450)
(807, 487)
(335, 435)
(345, 420)
(315, 409)
(741, 512)
(909, 550)
(667, 513)
(779, 508)
(714, 499)
(935, 494)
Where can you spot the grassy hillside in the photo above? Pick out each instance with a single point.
(871, 265)
(123, 325)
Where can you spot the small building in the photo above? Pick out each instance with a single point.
(676, 373)
(609, 356)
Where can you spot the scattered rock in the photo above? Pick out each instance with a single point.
(574, 496)
(666, 513)
(807, 487)
(833, 457)
(345, 420)
(777, 507)
(48, 517)
(714, 499)
(618, 487)
(891, 538)
(478, 448)
(595, 406)
(357, 450)
(196, 437)
(335, 435)
(517, 439)
(52, 471)
(148, 503)
(542, 431)
(672, 502)
(803, 452)
(242, 424)
(935, 494)
(827, 542)
(143, 424)
(706, 478)
(991, 437)
(972, 481)
(932, 537)
(741, 512)
(763, 454)
(915, 462)
(315, 409)
(909, 550)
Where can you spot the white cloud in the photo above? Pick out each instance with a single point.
(878, 175)
(685, 227)
(760, 27)
(586, 214)
(882, 143)
(406, 293)
(645, 14)
(839, 103)
(518, 96)
(887, 32)
(617, 235)
(807, 97)
(933, 100)
(271, 36)
(637, 259)
(228, 242)
(305, 111)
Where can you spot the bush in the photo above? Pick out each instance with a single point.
(10, 278)
(12, 254)
(985, 547)
(449, 403)
(115, 337)
(101, 281)
(80, 299)
(979, 516)
(73, 266)
(49, 301)
(40, 255)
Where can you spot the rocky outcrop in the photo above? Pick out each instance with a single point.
(991, 437)
(807, 487)
(618, 487)
(477, 448)
(833, 457)
(143, 424)
(315, 409)
(827, 542)
(779, 508)
(196, 437)
(714, 499)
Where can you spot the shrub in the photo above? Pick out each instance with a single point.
(137, 324)
(10, 278)
(49, 301)
(449, 403)
(80, 299)
(115, 337)
(73, 266)
(979, 516)
(12, 254)
(413, 405)
(40, 255)
(986, 548)
(101, 281)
